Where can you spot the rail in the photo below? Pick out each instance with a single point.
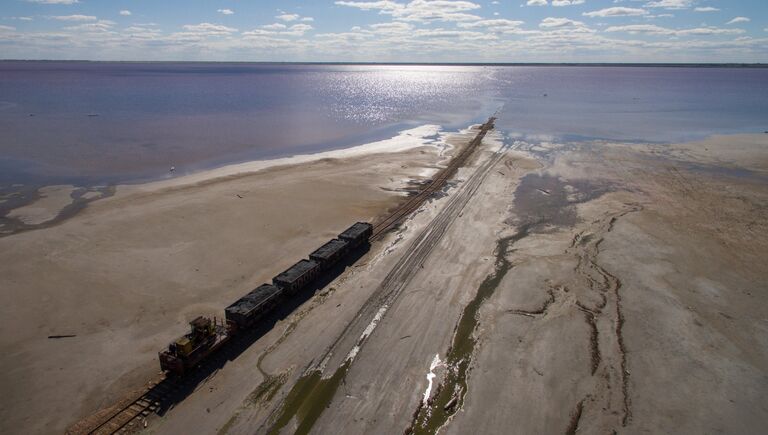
(126, 415)
(129, 415)
(437, 183)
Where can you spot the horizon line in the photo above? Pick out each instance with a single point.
(626, 64)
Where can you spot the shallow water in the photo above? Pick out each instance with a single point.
(93, 122)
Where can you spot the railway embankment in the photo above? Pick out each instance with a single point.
(246, 314)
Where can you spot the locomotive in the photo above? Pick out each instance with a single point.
(208, 335)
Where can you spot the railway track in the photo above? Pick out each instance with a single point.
(337, 358)
(125, 416)
(437, 183)
(162, 393)
(411, 261)
(130, 414)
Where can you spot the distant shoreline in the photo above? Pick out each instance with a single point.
(496, 64)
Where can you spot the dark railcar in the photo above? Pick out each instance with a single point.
(207, 335)
(357, 234)
(297, 276)
(253, 306)
(330, 253)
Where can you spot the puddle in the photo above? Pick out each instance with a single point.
(20, 196)
(543, 198)
(430, 377)
(726, 171)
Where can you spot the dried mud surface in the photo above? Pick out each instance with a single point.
(587, 288)
(551, 288)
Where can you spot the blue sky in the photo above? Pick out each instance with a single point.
(387, 30)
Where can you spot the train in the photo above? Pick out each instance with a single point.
(207, 335)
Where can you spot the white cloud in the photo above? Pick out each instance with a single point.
(739, 20)
(298, 29)
(209, 29)
(288, 17)
(125, 13)
(225, 11)
(277, 30)
(496, 25)
(616, 12)
(275, 26)
(549, 23)
(54, 2)
(652, 29)
(706, 9)
(567, 2)
(391, 28)
(670, 4)
(7, 28)
(75, 18)
(368, 6)
(428, 30)
(447, 35)
(537, 3)
(641, 28)
(100, 26)
(420, 10)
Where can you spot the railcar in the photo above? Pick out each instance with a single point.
(357, 234)
(330, 253)
(208, 335)
(247, 310)
(297, 276)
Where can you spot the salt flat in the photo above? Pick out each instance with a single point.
(552, 287)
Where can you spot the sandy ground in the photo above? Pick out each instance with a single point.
(617, 288)
(553, 288)
(126, 274)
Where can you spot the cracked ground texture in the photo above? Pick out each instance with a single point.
(644, 314)
(589, 288)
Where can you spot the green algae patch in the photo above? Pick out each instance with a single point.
(307, 400)
(449, 395)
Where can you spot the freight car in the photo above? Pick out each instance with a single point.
(297, 276)
(330, 253)
(250, 308)
(208, 335)
(357, 234)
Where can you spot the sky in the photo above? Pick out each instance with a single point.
(387, 30)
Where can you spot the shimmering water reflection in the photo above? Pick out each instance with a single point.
(120, 122)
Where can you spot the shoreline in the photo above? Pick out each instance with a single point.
(40, 209)
(409, 139)
(126, 274)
